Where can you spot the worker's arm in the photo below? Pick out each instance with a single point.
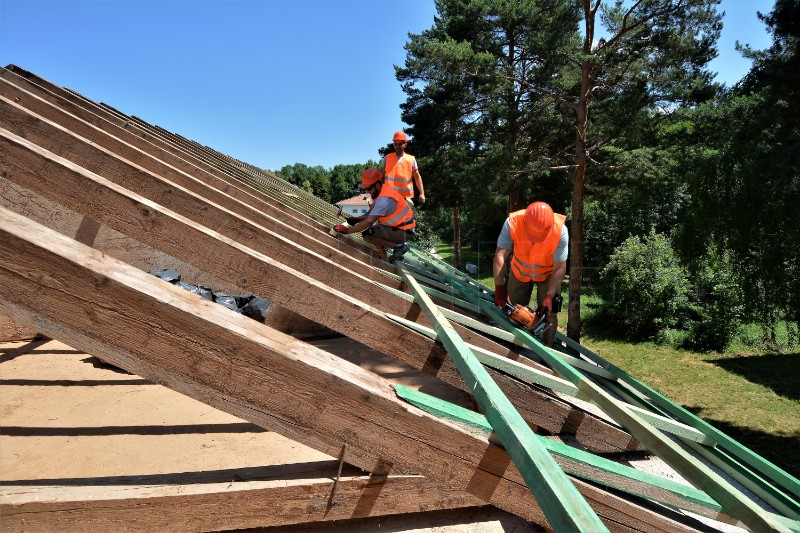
(499, 266)
(559, 271)
(368, 221)
(418, 182)
(499, 272)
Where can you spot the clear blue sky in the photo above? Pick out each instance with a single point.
(269, 82)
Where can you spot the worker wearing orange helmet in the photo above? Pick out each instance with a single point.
(400, 170)
(390, 221)
(537, 242)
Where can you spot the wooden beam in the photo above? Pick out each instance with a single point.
(100, 305)
(736, 449)
(295, 494)
(559, 499)
(62, 181)
(31, 91)
(733, 501)
(537, 377)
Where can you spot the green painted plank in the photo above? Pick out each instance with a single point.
(575, 362)
(498, 362)
(432, 292)
(685, 497)
(753, 481)
(602, 465)
(734, 502)
(560, 501)
(738, 450)
(537, 377)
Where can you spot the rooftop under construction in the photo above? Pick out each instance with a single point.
(412, 392)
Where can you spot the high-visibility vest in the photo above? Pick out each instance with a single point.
(399, 175)
(533, 261)
(403, 216)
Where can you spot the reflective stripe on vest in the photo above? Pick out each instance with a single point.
(403, 216)
(533, 261)
(399, 175)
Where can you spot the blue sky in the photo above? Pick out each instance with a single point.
(269, 82)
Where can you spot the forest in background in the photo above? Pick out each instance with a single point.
(681, 194)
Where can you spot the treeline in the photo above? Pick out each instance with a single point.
(681, 194)
(332, 185)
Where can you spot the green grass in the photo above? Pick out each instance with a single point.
(751, 394)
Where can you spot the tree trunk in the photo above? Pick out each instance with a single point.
(576, 231)
(456, 238)
(513, 202)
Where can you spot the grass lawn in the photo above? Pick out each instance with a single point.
(752, 396)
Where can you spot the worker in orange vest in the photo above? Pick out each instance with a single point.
(390, 221)
(400, 170)
(537, 242)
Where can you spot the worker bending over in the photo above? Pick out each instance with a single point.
(537, 241)
(394, 216)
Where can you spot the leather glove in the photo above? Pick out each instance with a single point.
(353, 220)
(341, 228)
(500, 295)
(547, 304)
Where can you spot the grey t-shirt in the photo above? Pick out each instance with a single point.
(383, 206)
(505, 242)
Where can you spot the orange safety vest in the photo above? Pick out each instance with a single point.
(403, 216)
(533, 260)
(399, 176)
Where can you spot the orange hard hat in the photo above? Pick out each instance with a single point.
(369, 177)
(539, 221)
(400, 136)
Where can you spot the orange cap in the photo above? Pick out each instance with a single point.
(538, 221)
(369, 177)
(400, 136)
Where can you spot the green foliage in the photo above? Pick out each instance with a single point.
(426, 236)
(645, 286)
(717, 301)
(339, 183)
(315, 180)
(745, 187)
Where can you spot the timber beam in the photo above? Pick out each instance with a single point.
(100, 305)
(65, 183)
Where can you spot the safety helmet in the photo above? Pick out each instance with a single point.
(400, 136)
(369, 177)
(539, 221)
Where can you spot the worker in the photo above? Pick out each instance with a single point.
(394, 217)
(400, 170)
(537, 242)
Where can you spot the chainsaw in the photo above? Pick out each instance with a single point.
(526, 317)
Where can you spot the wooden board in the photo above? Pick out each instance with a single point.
(239, 366)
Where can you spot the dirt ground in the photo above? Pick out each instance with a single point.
(64, 415)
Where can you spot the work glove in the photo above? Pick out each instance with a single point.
(500, 295)
(341, 228)
(547, 305)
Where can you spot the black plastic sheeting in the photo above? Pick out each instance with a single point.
(249, 305)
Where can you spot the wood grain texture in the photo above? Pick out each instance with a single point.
(167, 335)
(178, 236)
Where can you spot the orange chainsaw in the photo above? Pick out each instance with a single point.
(527, 318)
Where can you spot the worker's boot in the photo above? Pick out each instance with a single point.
(398, 252)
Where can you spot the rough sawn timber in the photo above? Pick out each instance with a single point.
(225, 258)
(164, 334)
